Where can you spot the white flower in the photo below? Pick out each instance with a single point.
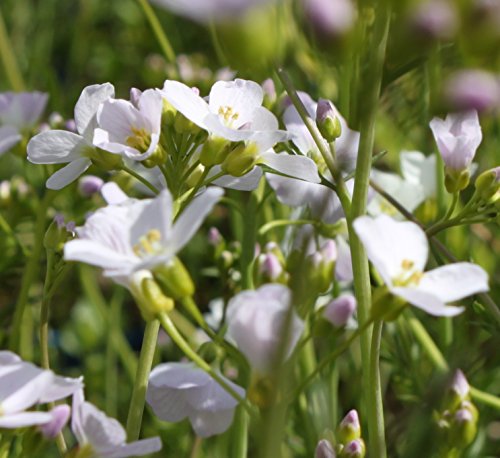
(130, 235)
(256, 322)
(399, 251)
(457, 137)
(420, 170)
(125, 128)
(61, 146)
(181, 390)
(206, 11)
(22, 385)
(104, 437)
(18, 112)
(235, 112)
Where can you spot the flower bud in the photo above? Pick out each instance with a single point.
(324, 450)
(456, 180)
(70, 125)
(58, 234)
(55, 120)
(330, 18)
(174, 279)
(488, 184)
(214, 151)
(463, 428)
(435, 19)
(240, 160)
(183, 125)
(354, 449)
(328, 123)
(194, 177)
(104, 159)
(168, 114)
(214, 236)
(458, 390)
(60, 416)
(88, 185)
(340, 310)
(270, 96)
(268, 269)
(349, 428)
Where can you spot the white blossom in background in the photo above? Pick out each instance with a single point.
(399, 251)
(256, 321)
(181, 390)
(61, 146)
(457, 137)
(101, 436)
(234, 112)
(206, 11)
(18, 112)
(23, 385)
(129, 236)
(130, 129)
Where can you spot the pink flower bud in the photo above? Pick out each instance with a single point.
(214, 236)
(435, 19)
(324, 450)
(330, 18)
(88, 185)
(60, 416)
(270, 266)
(340, 310)
(459, 384)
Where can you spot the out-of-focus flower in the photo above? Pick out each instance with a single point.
(399, 251)
(324, 450)
(104, 437)
(23, 385)
(60, 416)
(88, 185)
(340, 310)
(472, 90)
(181, 390)
(61, 146)
(457, 137)
(436, 19)
(18, 112)
(330, 18)
(206, 11)
(256, 321)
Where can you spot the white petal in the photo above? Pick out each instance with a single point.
(118, 117)
(76, 417)
(23, 419)
(68, 174)
(426, 301)
(8, 357)
(389, 243)
(87, 105)
(60, 388)
(206, 423)
(137, 448)
(263, 119)
(55, 147)
(247, 182)
(9, 137)
(113, 194)
(184, 100)
(151, 106)
(455, 281)
(294, 166)
(192, 217)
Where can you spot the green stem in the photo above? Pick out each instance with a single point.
(112, 381)
(284, 222)
(30, 273)
(159, 33)
(140, 179)
(240, 434)
(9, 60)
(171, 330)
(136, 408)
(248, 241)
(378, 441)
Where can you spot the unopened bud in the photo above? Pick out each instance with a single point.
(349, 428)
(324, 450)
(168, 113)
(456, 180)
(488, 184)
(70, 125)
(330, 18)
(340, 310)
(327, 121)
(55, 120)
(174, 279)
(183, 125)
(57, 234)
(157, 302)
(194, 177)
(214, 151)
(435, 19)
(240, 160)
(60, 416)
(89, 185)
(463, 428)
(269, 93)
(104, 159)
(268, 269)
(214, 236)
(354, 449)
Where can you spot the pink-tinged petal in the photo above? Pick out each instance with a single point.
(9, 137)
(60, 388)
(184, 100)
(113, 194)
(55, 147)
(137, 448)
(294, 166)
(68, 174)
(192, 217)
(242, 96)
(24, 419)
(390, 243)
(455, 281)
(22, 109)
(207, 423)
(60, 415)
(247, 182)
(426, 301)
(96, 254)
(87, 105)
(8, 357)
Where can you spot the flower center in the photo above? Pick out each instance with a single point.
(409, 276)
(148, 244)
(140, 140)
(228, 115)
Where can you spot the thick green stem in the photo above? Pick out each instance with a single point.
(240, 434)
(30, 274)
(136, 408)
(284, 222)
(377, 445)
(9, 60)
